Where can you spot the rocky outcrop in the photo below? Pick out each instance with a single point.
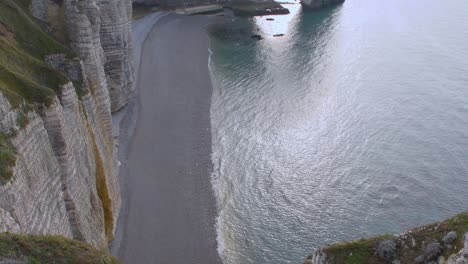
(65, 177)
(316, 4)
(115, 35)
(247, 8)
(59, 168)
(33, 201)
(441, 243)
(318, 257)
(462, 256)
(27, 249)
(99, 30)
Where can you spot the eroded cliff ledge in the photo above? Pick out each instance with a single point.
(64, 67)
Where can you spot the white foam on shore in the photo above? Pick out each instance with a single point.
(215, 179)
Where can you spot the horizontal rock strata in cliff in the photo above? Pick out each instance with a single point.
(57, 117)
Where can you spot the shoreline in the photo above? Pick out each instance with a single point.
(124, 124)
(169, 209)
(220, 247)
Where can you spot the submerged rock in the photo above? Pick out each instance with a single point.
(316, 4)
(256, 8)
(257, 37)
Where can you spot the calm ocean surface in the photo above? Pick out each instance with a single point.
(355, 123)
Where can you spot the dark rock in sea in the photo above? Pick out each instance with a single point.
(450, 237)
(231, 32)
(248, 8)
(317, 4)
(386, 249)
(270, 19)
(257, 37)
(278, 35)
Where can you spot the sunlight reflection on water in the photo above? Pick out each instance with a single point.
(353, 123)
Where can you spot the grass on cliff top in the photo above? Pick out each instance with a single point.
(362, 250)
(50, 249)
(27, 32)
(23, 47)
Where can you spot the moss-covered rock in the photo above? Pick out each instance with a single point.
(50, 249)
(427, 243)
(7, 158)
(23, 48)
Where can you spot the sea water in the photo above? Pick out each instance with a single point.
(354, 123)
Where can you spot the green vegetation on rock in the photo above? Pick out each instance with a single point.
(7, 159)
(23, 48)
(50, 249)
(407, 247)
(354, 252)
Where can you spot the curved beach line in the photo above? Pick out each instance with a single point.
(170, 210)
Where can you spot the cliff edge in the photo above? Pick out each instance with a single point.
(443, 242)
(23, 249)
(65, 66)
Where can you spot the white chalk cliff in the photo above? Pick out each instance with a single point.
(65, 178)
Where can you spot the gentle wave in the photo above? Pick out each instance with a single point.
(352, 124)
(215, 180)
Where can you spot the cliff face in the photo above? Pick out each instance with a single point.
(316, 4)
(444, 242)
(63, 178)
(99, 31)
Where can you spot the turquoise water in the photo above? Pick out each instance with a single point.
(355, 123)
